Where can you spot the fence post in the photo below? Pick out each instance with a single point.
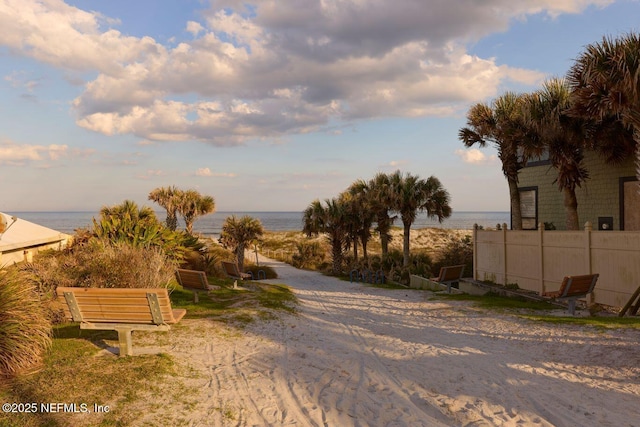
(541, 247)
(587, 246)
(504, 248)
(475, 251)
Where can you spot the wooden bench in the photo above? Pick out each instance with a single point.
(232, 270)
(120, 309)
(192, 279)
(574, 287)
(449, 275)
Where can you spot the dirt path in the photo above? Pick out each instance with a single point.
(363, 356)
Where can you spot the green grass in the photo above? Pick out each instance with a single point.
(534, 310)
(251, 301)
(74, 372)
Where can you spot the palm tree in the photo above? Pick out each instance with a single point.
(605, 83)
(239, 233)
(563, 136)
(360, 216)
(191, 205)
(328, 219)
(168, 198)
(502, 124)
(413, 195)
(379, 196)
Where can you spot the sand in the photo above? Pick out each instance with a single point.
(363, 356)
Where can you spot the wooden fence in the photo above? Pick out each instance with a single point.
(538, 260)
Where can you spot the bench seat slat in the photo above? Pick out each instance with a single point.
(121, 309)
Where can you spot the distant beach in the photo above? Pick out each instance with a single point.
(211, 225)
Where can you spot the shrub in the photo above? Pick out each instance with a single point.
(25, 329)
(310, 255)
(127, 224)
(100, 264)
(457, 252)
(269, 272)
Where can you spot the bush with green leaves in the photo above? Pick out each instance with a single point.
(139, 227)
(100, 264)
(25, 328)
(310, 254)
(457, 252)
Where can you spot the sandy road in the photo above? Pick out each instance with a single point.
(364, 356)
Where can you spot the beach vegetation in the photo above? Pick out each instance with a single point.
(604, 85)
(329, 219)
(502, 125)
(379, 201)
(25, 326)
(191, 205)
(562, 137)
(458, 251)
(238, 234)
(359, 217)
(167, 197)
(72, 372)
(139, 227)
(412, 195)
(309, 254)
(554, 129)
(348, 220)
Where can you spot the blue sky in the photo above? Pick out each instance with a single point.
(267, 105)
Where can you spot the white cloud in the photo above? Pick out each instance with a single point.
(273, 68)
(475, 156)
(204, 172)
(19, 154)
(151, 173)
(208, 172)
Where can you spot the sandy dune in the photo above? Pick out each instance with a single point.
(362, 356)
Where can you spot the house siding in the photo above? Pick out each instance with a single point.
(599, 196)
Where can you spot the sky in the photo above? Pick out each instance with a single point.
(267, 105)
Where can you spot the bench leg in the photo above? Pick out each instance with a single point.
(572, 306)
(124, 342)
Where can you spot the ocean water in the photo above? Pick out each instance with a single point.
(211, 225)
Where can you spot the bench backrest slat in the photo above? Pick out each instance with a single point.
(578, 285)
(192, 278)
(120, 305)
(231, 268)
(453, 272)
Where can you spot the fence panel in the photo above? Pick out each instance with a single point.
(538, 260)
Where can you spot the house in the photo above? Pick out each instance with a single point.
(609, 199)
(20, 239)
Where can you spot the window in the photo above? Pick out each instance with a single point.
(542, 159)
(529, 207)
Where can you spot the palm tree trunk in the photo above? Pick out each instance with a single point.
(172, 220)
(405, 245)
(365, 256)
(383, 229)
(240, 257)
(336, 254)
(636, 138)
(384, 241)
(516, 210)
(355, 249)
(571, 209)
